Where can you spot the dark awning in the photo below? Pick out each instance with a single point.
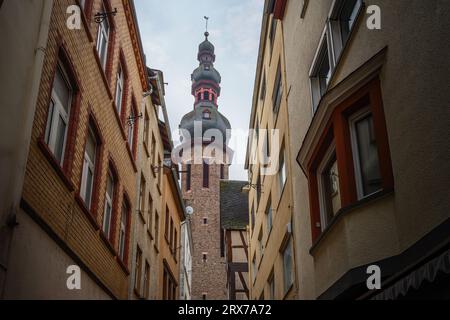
(415, 279)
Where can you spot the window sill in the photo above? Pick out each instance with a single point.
(344, 211)
(102, 72)
(123, 265)
(108, 243)
(56, 166)
(87, 212)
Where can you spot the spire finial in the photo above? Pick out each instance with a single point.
(206, 32)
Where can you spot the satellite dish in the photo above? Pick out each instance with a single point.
(189, 210)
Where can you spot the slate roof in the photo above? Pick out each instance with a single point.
(233, 205)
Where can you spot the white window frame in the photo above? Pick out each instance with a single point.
(89, 164)
(108, 200)
(104, 30)
(56, 112)
(286, 285)
(119, 89)
(337, 42)
(322, 201)
(123, 231)
(316, 90)
(355, 151)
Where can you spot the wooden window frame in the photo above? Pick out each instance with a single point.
(338, 130)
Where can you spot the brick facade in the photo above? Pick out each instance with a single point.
(52, 192)
(207, 277)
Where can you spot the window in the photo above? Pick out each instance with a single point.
(205, 257)
(204, 296)
(89, 164)
(328, 181)
(205, 221)
(175, 243)
(205, 175)
(206, 115)
(277, 90)
(266, 148)
(269, 215)
(138, 271)
(103, 40)
(321, 72)
(271, 284)
(341, 174)
(288, 266)
(147, 281)
(188, 177)
(59, 115)
(107, 215)
(260, 245)
(153, 149)
(142, 194)
(273, 28)
(119, 89)
(341, 23)
(150, 213)
(253, 218)
(156, 227)
(282, 176)
(258, 190)
(262, 94)
(123, 231)
(222, 171)
(160, 170)
(171, 235)
(365, 154)
(206, 95)
(166, 224)
(146, 128)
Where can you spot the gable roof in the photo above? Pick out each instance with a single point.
(233, 205)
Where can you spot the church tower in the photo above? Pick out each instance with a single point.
(201, 178)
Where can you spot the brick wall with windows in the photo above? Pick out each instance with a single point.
(77, 139)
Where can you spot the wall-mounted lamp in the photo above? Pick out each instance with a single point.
(132, 120)
(101, 16)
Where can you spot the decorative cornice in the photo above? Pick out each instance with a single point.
(130, 15)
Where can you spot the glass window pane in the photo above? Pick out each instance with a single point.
(91, 146)
(60, 137)
(110, 186)
(62, 90)
(368, 156)
(89, 182)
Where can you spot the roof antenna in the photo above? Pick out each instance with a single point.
(206, 32)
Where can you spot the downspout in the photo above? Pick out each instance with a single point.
(27, 125)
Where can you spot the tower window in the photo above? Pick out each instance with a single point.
(205, 220)
(206, 95)
(188, 177)
(206, 115)
(205, 257)
(205, 175)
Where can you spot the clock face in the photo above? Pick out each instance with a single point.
(189, 210)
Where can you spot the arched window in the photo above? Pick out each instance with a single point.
(206, 95)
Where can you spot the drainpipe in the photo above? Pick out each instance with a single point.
(27, 118)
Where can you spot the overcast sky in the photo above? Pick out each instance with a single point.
(171, 31)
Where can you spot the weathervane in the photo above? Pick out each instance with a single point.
(206, 32)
